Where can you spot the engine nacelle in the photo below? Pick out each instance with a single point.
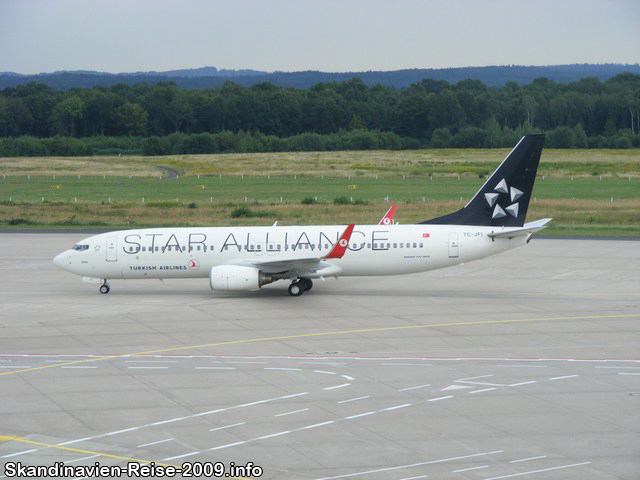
(238, 277)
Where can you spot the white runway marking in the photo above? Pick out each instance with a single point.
(523, 366)
(337, 386)
(454, 387)
(123, 431)
(81, 459)
(388, 469)
(151, 361)
(617, 368)
(325, 372)
(284, 369)
(333, 364)
(180, 456)
(291, 413)
(354, 399)
(216, 368)
(315, 425)
(414, 388)
(75, 441)
(154, 443)
(527, 459)
(19, 453)
(483, 383)
(484, 390)
(473, 378)
(264, 437)
(628, 373)
(561, 378)
(388, 409)
(439, 398)
(227, 445)
(227, 426)
(269, 400)
(522, 383)
(414, 478)
(147, 368)
(243, 362)
(162, 422)
(469, 469)
(538, 471)
(407, 364)
(359, 415)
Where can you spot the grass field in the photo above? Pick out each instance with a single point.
(586, 192)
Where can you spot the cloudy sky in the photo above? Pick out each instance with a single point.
(328, 35)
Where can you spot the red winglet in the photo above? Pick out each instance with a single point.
(388, 217)
(340, 247)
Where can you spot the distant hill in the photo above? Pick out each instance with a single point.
(207, 77)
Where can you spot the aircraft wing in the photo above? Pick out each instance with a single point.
(316, 266)
(526, 229)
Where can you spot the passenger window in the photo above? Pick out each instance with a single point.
(368, 245)
(395, 245)
(421, 245)
(414, 245)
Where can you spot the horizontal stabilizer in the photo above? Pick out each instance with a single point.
(526, 229)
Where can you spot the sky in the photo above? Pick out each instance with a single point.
(327, 35)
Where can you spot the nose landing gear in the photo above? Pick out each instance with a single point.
(105, 288)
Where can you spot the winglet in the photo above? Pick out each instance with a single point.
(388, 217)
(341, 245)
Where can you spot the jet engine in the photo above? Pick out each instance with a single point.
(238, 277)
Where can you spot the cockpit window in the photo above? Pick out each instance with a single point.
(80, 247)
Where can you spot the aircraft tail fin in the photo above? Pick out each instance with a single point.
(503, 200)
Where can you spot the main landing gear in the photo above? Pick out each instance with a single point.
(105, 288)
(298, 287)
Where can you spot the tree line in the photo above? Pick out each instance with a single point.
(164, 119)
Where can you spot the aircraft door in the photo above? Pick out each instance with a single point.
(112, 249)
(453, 245)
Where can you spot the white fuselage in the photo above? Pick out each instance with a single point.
(192, 252)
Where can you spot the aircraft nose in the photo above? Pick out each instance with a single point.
(61, 260)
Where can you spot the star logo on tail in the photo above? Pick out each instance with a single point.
(492, 200)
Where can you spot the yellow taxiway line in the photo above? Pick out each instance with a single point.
(319, 334)
(5, 438)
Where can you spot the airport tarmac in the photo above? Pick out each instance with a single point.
(524, 365)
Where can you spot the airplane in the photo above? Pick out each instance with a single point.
(247, 258)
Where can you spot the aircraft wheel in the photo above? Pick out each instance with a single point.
(104, 288)
(296, 289)
(306, 283)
